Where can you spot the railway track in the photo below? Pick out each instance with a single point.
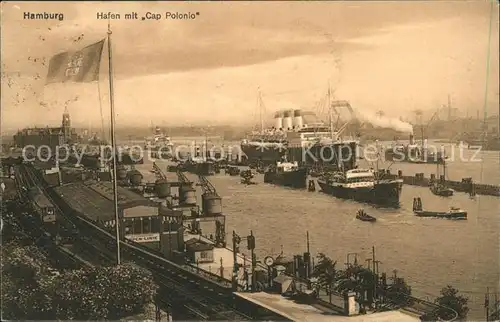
(202, 297)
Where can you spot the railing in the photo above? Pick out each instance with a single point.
(426, 306)
(397, 300)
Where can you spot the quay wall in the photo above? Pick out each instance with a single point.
(465, 185)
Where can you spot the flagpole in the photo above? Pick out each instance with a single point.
(113, 144)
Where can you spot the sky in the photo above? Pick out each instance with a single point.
(380, 56)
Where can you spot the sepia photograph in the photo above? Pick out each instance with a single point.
(250, 160)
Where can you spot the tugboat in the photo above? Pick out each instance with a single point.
(287, 174)
(412, 153)
(363, 216)
(454, 212)
(362, 185)
(246, 177)
(232, 170)
(438, 187)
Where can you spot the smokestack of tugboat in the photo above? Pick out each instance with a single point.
(287, 120)
(411, 139)
(278, 120)
(298, 121)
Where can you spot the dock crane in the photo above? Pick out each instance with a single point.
(182, 178)
(212, 207)
(341, 104)
(206, 186)
(158, 173)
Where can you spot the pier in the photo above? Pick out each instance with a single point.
(466, 185)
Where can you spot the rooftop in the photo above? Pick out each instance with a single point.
(198, 245)
(95, 200)
(40, 131)
(125, 196)
(83, 199)
(304, 312)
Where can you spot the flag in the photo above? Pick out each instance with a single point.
(76, 66)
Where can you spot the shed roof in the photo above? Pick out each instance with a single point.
(95, 200)
(198, 245)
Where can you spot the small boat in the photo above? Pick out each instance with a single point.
(363, 216)
(441, 190)
(438, 187)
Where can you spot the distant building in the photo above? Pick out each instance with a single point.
(49, 136)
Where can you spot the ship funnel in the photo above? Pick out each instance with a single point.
(298, 121)
(278, 120)
(412, 141)
(287, 120)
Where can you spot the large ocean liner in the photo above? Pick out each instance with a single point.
(300, 137)
(364, 185)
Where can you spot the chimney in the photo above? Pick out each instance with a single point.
(278, 120)
(411, 139)
(288, 120)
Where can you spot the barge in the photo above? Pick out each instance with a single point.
(454, 212)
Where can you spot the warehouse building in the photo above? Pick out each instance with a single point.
(142, 220)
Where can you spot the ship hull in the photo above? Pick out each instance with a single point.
(294, 179)
(318, 154)
(459, 215)
(203, 168)
(266, 155)
(325, 154)
(384, 193)
(492, 145)
(442, 192)
(401, 156)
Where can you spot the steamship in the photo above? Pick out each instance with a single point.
(287, 174)
(293, 137)
(413, 153)
(159, 145)
(363, 185)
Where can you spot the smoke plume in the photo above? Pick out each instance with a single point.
(384, 121)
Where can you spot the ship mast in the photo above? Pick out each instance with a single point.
(259, 104)
(330, 112)
(444, 169)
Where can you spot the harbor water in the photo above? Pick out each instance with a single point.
(430, 253)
